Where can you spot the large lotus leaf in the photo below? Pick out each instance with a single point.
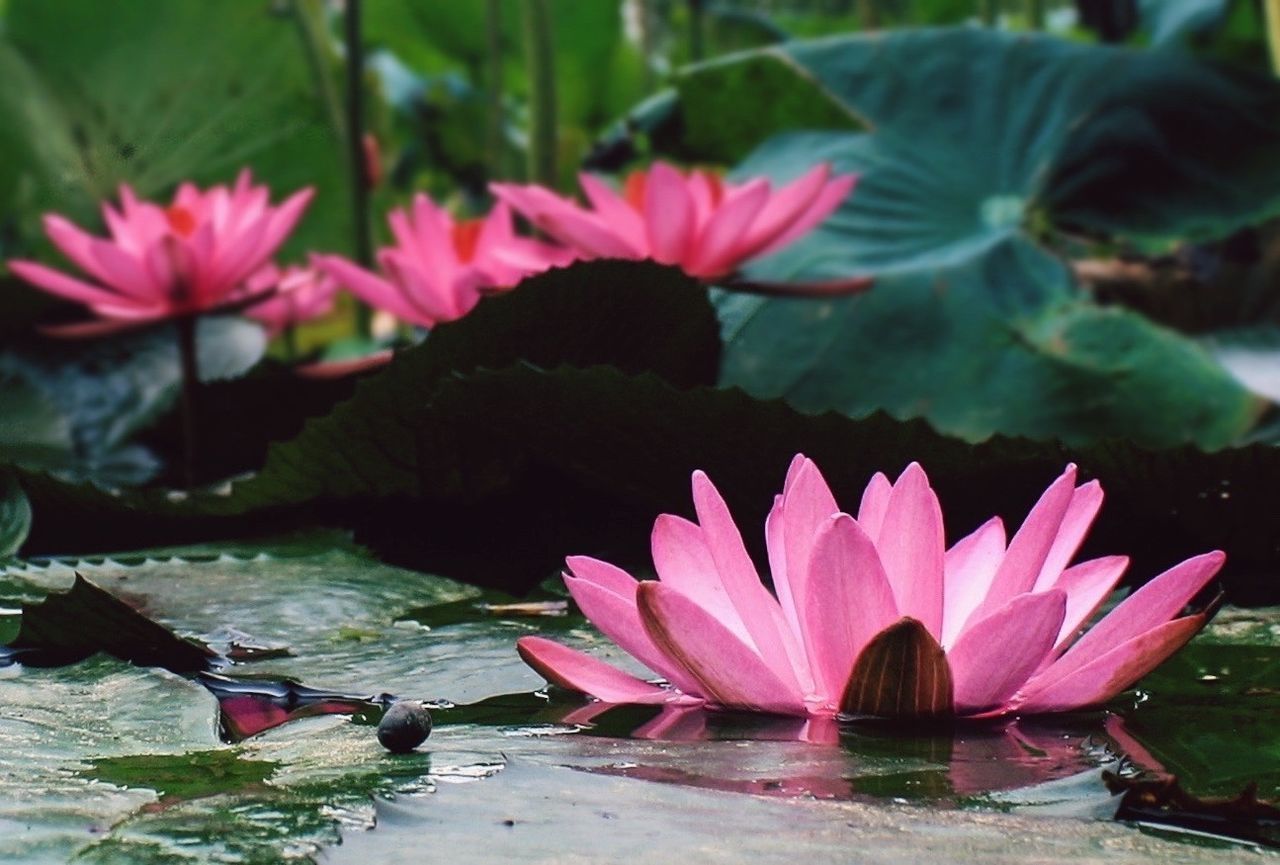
(997, 346)
(156, 93)
(977, 135)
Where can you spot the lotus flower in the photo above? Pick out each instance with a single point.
(706, 226)
(190, 257)
(439, 269)
(872, 614)
(300, 294)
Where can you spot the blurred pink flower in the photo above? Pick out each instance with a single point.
(190, 257)
(300, 294)
(706, 226)
(873, 616)
(439, 268)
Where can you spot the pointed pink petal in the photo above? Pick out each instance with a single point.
(618, 619)
(124, 272)
(586, 233)
(1030, 546)
(1149, 607)
(1112, 672)
(757, 608)
(848, 601)
(785, 206)
(75, 244)
(807, 504)
(968, 569)
(732, 675)
(373, 290)
(1085, 504)
(578, 671)
(875, 502)
(1087, 585)
(602, 574)
(62, 285)
(720, 245)
(831, 197)
(912, 546)
(668, 214)
(617, 213)
(684, 561)
(995, 657)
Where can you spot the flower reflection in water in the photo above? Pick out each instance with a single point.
(944, 762)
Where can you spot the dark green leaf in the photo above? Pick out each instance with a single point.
(70, 626)
(15, 515)
(999, 346)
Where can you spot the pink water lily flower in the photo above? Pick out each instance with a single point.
(191, 256)
(439, 268)
(296, 294)
(707, 226)
(872, 615)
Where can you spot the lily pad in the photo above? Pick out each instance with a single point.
(149, 776)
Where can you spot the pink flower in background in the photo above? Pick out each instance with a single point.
(707, 226)
(300, 294)
(192, 256)
(872, 614)
(439, 268)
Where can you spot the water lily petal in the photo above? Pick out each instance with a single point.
(62, 285)
(823, 205)
(1030, 546)
(624, 219)
(757, 608)
(847, 602)
(968, 569)
(1087, 585)
(1112, 672)
(912, 548)
(875, 502)
(1086, 501)
(995, 657)
(719, 247)
(1148, 607)
(807, 504)
(730, 672)
(578, 671)
(668, 215)
(684, 561)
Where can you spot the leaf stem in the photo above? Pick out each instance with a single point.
(540, 56)
(495, 138)
(697, 30)
(188, 361)
(355, 152)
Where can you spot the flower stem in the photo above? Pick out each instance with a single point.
(1272, 10)
(496, 121)
(1035, 14)
(355, 152)
(189, 364)
(540, 56)
(697, 30)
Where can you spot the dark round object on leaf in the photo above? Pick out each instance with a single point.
(405, 726)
